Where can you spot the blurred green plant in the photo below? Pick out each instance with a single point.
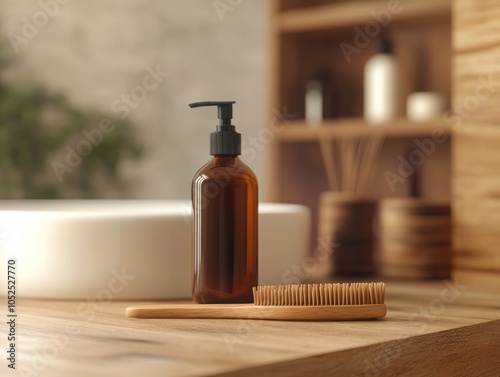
(36, 128)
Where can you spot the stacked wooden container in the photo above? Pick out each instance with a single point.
(415, 239)
(346, 229)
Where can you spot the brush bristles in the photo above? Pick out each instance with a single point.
(319, 294)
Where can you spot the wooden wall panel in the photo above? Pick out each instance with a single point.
(476, 63)
(476, 150)
(476, 204)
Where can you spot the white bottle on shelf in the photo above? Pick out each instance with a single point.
(314, 102)
(380, 85)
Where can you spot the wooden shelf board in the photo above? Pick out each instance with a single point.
(352, 13)
(399, 128)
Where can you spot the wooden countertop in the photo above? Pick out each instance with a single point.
(430, 329)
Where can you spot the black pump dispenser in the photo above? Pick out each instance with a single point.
(225, 141)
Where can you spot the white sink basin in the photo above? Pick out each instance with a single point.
(103, 250)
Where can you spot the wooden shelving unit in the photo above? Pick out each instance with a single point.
(304, 39)
(299, 131)
(330, 16)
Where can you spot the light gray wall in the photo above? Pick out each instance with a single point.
(96, 50)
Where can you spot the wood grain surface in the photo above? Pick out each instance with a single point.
(437, 329)
(476, 153)
(476, 52)
(476, 205)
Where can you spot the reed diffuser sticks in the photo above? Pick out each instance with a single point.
(350, 162)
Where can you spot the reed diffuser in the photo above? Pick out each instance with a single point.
(347, 211)
(350, 163)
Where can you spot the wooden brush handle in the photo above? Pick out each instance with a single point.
(250, 311)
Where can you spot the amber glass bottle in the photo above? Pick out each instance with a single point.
(225, 202)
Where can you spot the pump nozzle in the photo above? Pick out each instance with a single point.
(224, 110)
(225, 140)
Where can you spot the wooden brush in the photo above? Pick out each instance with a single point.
(303, 302)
